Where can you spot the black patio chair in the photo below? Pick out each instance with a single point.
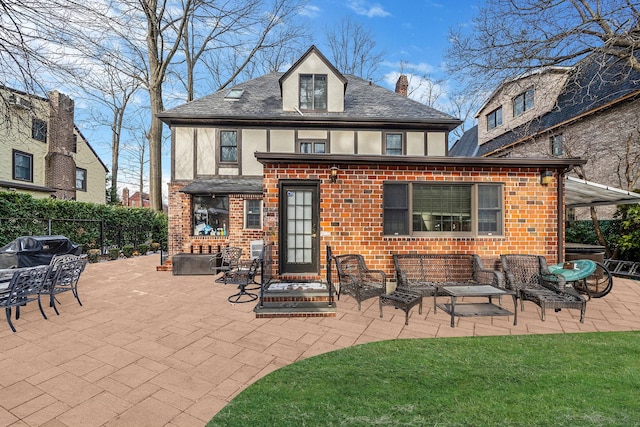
(65, 278)
(530, 278)
(25, 286)
(226, 261)
(357, 280)
(246, 276)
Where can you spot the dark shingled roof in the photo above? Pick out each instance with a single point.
(467, 146)
(261, 101)
(225, 185)
(594, 83)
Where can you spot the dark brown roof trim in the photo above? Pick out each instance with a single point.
(32, 187)
(481, 162)
(311, 122)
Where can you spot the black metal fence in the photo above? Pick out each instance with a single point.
(89, 233)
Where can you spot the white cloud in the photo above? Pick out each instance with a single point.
(362, 7)
(310, 11)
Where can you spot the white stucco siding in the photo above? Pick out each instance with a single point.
(415, 144)
(282, 141)
(206, 151)
(183, 152)
(312, 134)
(253, 140)
(436, 144)
(343, 142)
(313, 64)
(369, 142)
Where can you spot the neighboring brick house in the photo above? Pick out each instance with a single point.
(310, 157)
(590, 111)
(137, 199)
(43, 153)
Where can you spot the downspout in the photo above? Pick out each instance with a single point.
(561, 209)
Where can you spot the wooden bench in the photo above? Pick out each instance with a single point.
(426, 274)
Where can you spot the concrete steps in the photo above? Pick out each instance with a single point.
(296, 299)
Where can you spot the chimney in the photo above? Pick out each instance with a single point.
(125, 197)
(402, 85)
(60, 172)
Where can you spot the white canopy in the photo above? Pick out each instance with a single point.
(580, 192)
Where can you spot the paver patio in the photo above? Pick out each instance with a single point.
(152, 349)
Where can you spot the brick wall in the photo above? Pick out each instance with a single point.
(609, 140)
(180, 220)
(61, 168)
(351, 212)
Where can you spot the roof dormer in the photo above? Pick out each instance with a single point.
(313, 84)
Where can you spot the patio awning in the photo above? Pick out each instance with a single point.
(225, 185)
(580, 193)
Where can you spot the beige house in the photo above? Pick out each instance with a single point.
(590, 111)
(43, 153)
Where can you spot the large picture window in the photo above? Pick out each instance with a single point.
(211, 215)
(22, 166)
(313, 92)
(228, 146)
(457, 209)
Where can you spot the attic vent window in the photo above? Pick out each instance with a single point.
(234, 94)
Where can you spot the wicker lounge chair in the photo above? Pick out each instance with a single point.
(357, 280)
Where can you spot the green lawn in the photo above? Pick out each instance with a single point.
(587, 379)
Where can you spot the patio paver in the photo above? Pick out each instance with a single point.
(150, 348)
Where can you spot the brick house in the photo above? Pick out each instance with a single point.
(590, 111)
(311, 157)
(136, 199)
(43, 153)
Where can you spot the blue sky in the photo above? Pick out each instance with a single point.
(413, 31)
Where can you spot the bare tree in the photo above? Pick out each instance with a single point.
(353, 49)
(510, 37)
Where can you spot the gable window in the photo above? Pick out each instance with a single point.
(228, 146)
(494, 118)
(454, 209)
(557, 142)
(393, 144)
(211, 215)
(313, 92)
(74, 143)
(313, 147)
(81, 179)
(22, 166)
(252, 214)
(39, 130)
(523, 102)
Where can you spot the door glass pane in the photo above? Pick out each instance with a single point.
(299, 226)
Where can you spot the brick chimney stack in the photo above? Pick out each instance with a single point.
(125, 197)
(61, 170)
(402, 85)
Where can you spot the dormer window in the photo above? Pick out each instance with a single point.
(494, 118)
(313, 92)
(523, 102)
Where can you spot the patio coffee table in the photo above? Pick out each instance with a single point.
(477, 309)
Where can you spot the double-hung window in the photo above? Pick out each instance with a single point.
(393, 144)
(523, 102)
(22, 166)
(494, 118)
(557, 142)
(313, 92)
(252, 213)
(465, 209)
(39, 130)
(81, 179)
(228, 146)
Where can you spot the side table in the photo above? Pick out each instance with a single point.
(402, 300)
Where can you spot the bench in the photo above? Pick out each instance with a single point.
(426, 274)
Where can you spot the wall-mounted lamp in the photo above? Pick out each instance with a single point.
(546, 177)
(334, 173)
